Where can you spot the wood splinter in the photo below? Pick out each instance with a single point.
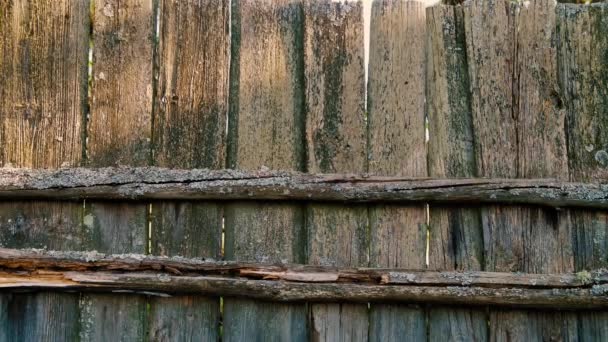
(91, 271)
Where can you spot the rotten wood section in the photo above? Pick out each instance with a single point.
(91, 271)
(151, 183)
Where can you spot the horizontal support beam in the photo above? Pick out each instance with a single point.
(166, 184)
(33, 269)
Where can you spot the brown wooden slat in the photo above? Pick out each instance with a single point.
(455, 234)
(36, 260)
(137, 184)
(119, 133)
(582, 57)
(397, 147)
(519, 132)
(278, 294)
(43, 78)
(189, 132)
(266, 127)
(336, 138)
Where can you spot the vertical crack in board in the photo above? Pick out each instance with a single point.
(583, 73)
(266, 119)
(190, 111)
(455, 234)
(43, 73)
(397, 148)
(336, 139)
(519, 132)
(119, 134)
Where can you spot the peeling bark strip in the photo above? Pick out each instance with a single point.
(281, 291)
(20, 261)
(288, 283)
(157, 183)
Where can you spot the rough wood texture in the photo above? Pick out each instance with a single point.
(121, 108)
(455, 233)
(518, 119)
(336, 137)
(165, 184)
(189, 131)
(275, 316)
(191, 103)
(43, 79)
(43, 72)
(119, 133)
(583, 68)
(266, 129)
(396, 84)
(36, 260)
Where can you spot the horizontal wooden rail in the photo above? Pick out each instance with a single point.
(26, 269)
(167, 184)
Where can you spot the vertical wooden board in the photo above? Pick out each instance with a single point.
(391, 322)
(52, 316)
(397, 147)
(184, 318)
(583, 68)
(518, 123)
(114, 228)
(455, 233)
(190, 112)
(336, 138)
(335, 86)
(533, 326)
(191, 102)
(453, 324)
(43, 73)
(119, 132)
(121, 108)
(266, 124)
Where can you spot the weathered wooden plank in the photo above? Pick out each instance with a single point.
(43, 77)
(36, 260)
(119, 132)
(43, 72)
(518, 121)
(277, 293)
(583, 58)
(191, 102)
(137, 184)
(336, 138)
(455, 233)
(396, 85)
(189, 132)
(123, 34)
(266, 127)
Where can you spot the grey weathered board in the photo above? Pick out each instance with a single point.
(190, 112)
(266, 127)
(396, 86)
(43, 79)
(583, 77)
(336, 138)
(118, 133)
(518, 124)
(455, 234)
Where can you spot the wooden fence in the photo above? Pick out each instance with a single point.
(340, 219)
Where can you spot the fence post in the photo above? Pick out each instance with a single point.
(266, 127)
(336, 136)
(397, 147)
(43, 93)
(455, 234)
(190, 112)
(518, 131)
(119, 133)
(583, 74)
